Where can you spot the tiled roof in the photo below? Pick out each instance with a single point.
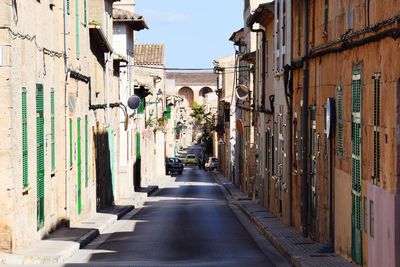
(149, 54)
(193, 78)
(135, 20)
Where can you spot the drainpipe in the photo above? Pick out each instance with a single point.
(304, 125)
(263, 63)
(107, 82)
(65, 15)
(288, 83)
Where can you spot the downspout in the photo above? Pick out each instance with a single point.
(263, 63)
(288, 83)
(65, 15)
(107, 82)
(304, 125)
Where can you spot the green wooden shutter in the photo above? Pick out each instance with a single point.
(70, 143)
(53, 145)
(85, 13)
(140, 109)
(356, 245)
(168, 112)
(77, 41)
(86, 151)
(40, 154)
(68, 7)
(138, 146)
(340, 121)
(79, 167)
(25, 181)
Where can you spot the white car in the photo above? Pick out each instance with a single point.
(211, 164)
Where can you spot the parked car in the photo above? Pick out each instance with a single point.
(191, 159)
(173, 165)
(212, 164)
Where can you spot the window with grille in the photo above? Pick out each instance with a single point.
(277, 36)
(377, 130)
(299, 16)
(53, 126)
(340, 121)
(365, 204)
(295, 143)
(356, 172)
(326, 14)
(25, 181)
(371, 218)
(325, 144)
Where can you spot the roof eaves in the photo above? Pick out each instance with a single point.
(97, 33)
(235, 35)
(261, 10)
(136, 21)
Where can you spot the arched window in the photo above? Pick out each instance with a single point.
(187, 94)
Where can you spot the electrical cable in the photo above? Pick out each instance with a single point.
(184, 69)
(46, 51)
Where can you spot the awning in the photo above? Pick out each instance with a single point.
(99, 38)
(134, 20)
(119, 57)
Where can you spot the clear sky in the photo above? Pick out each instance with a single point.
(194, 31)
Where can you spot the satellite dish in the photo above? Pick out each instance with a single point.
(134, 102)
(242, 91)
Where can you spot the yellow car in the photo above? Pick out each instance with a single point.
(191, 159)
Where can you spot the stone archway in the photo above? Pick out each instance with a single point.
(205, 90)
(188, 94)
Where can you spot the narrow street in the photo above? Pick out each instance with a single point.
(188, 223)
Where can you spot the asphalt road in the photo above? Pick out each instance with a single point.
(187, 224)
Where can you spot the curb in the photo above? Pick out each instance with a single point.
(88, 237)
(125, 211)
(92, 234)
(152, 190)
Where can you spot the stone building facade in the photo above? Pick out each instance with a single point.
(61, 125)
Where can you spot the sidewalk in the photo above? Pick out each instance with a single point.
(301, 251)
(65, 241)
